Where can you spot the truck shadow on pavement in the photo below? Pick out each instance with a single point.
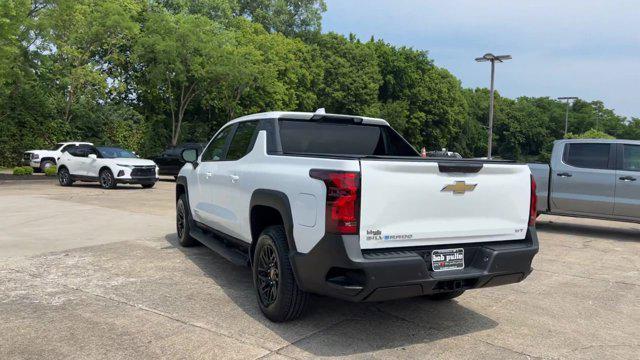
(588, 230)
(334, 327)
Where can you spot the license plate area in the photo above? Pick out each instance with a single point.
(447, 259)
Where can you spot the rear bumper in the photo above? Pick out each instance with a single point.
(337, 267)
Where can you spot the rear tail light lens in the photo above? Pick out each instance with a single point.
(343, 200)
(533, 205)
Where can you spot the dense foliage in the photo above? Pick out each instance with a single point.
(145, 74)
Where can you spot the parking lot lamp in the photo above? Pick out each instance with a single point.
(566, 114)
(492, 58)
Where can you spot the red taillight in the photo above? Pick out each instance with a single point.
(533, 205)
(343, 200)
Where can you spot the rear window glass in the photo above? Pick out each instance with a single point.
(631, 158)
(593, 156)
(329, 138)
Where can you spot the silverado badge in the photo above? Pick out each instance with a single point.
(460, 187)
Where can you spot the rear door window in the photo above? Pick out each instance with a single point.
(631, 158)
(242, 140)
(584, 155)
(330, 138)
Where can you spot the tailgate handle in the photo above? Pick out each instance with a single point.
(459, 167)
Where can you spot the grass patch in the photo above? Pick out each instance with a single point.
(22, 170)
(51, 171)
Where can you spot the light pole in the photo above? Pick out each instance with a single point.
(566, 114)
(492, 58)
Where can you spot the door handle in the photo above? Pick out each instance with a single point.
(208, 174)
(627, 178)
(564, 174)
(234, 178)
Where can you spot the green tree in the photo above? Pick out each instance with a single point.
(180, 57)
(289, 17)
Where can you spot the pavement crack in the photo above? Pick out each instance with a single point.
(143, 308)
(513, 351)
(324, 328)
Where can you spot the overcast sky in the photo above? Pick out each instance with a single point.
(584, 48)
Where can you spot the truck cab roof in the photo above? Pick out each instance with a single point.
(308, 116)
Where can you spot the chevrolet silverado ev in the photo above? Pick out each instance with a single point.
(343, 206)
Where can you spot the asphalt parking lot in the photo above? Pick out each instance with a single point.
(92, 273)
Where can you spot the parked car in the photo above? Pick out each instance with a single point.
(108, 165)
(443, 154)
(170, 161)
(591, 178)
(44, 159)
(343, 206)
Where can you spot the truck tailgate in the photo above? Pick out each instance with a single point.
(414, 203)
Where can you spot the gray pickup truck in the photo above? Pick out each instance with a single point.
(591, 178)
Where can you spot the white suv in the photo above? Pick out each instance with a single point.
(108, 165)
(44, 159)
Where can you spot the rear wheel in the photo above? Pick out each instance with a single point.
(64, 177)
(279, 297)
(183, 223)
(445, 295)
(107, 181)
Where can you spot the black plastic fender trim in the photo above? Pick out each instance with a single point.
(279, 201)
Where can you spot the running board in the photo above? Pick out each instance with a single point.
(230, 253)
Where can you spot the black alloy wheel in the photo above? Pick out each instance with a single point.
(106, 179)
(268, 275)
(64, 177)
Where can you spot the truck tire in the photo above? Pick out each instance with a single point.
(44, 165)
(445, 295)
(107, 181)
(279, 297)
(183, 223)
(64, 177)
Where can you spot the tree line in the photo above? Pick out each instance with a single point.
(147, 74)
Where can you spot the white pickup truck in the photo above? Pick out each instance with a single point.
(343, 206)
(44, 159)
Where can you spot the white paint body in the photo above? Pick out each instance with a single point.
(36, 156)
(397, 197)
(90, 167)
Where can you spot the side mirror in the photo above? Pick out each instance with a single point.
(190, 155)
(93, 156)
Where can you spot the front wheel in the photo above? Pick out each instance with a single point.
(64, 177)
(183, 223)
(148, 185)
(107, 181)
(46, 164)
(279, 297)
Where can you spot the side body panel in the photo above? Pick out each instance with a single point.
(627, 203)
(259, 170)
(581, 191)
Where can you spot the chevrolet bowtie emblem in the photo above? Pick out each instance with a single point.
(460, 187)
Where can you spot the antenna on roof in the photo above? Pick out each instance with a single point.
(320, 111)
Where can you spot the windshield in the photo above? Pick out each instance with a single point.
(114, 152)
(56, 146)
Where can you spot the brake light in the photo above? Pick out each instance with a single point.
(343, 200)
(533, 205)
